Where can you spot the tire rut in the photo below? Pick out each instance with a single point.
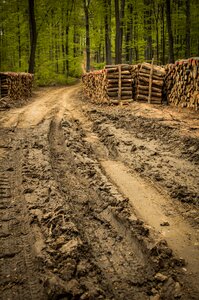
(113, 247)
(17, 264)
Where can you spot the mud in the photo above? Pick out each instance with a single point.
(67, 229)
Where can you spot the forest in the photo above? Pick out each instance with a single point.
(55, 40)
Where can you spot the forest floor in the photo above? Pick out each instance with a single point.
(97, 201)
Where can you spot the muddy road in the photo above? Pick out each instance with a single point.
(98, 202)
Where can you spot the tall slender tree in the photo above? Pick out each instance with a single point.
(119, 21)
(188, 25)
(170, 33)
(33, 36)
(86, 11)
(107, 22)
(129, 34)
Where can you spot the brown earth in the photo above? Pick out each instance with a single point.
(98, 202)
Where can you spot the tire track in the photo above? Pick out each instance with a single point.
(122, 261)
(17, 264)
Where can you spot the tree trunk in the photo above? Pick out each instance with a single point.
(107, 6)
(119, 20)
(19, 35)
(33, 36)
(188, 25)
(148, 30)
(76, 42)
(86, 11)
(129, 35)
(67, 50)
(163, 35)
(118, 34)
(62, 44)
(121, 26)
(170, 34)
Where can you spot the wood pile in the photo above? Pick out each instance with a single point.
(119, 83)
(134, 75)
(15, 87)
(150, 80)
(94, 85)
(176, 83)
(182, 83)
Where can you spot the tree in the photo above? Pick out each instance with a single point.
(188, 25)
(129, 34)
(107, 22)
(148, 30)
(119, 21)
(170, 34)
(50, 37)
(86, 11)
(33, 36)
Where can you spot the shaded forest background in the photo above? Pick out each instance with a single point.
(55, 38)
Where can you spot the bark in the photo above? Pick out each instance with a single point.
(129, 35)
(19, 35)
(86, 11)
(163, 35)
(62, 44)
(188, 25)
(119, 19)
(107, 22)
(118, 34)
(76, 42)
(148, 30)
(33, 36)
(122, 26)
(170, 34)
(156, 12)
(67, 49)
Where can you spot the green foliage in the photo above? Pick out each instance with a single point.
(61, 35)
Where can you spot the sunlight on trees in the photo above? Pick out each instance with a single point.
(68, 32)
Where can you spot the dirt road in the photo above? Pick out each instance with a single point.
(98, 202)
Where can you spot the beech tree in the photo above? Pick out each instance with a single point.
(33, 36)
(53, 38)
(170, 34)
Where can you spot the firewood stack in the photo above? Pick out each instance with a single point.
(119, 83)
(150, 80)
(182, 83)
(94, 85)
(15, 87)
(134, 75)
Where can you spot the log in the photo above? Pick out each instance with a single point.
(145, 93)
(154, 82)
(146, 88)
(181, 83)
(116, 76)
(147, 75)
(145, 98)
(114, 89)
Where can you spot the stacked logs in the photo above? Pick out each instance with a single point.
(134, 74)
(94, 85)
(119, 83)
(15, 86)
(176, 83)
(182, 83)
(150, 80)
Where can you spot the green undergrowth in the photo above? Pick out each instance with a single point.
(54, 79)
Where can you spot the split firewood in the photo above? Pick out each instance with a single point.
(181, 86)
(15, 86)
